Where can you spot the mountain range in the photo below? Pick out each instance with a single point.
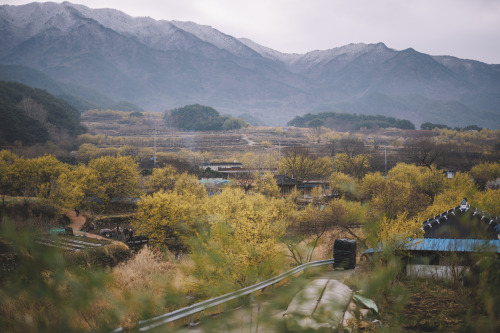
(104, 58)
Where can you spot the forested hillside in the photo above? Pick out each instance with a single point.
(346, 121)
(35, 116)
(201, 118)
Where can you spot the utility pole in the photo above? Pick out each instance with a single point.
(385, 160)
(280, 132)
(154, 157)
(279, 148)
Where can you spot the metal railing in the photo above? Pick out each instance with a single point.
(146, 325)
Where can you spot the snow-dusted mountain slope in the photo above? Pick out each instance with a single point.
(164, 64)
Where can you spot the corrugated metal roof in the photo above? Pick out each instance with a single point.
(448, 245)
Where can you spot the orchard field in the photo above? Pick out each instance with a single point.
(385, 183)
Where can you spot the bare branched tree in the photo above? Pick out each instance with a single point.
(299, 164)
(352, 146)
(244, 179)
(425, 152)
(306, 230)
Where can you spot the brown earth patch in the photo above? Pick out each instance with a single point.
(434, 307)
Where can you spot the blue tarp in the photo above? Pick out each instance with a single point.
(448, 245)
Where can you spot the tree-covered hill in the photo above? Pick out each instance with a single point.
(347, 121)
(197, 117)
(35, 116)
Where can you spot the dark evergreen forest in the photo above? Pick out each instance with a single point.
(348, 121)
(34, 116)
(198, 117)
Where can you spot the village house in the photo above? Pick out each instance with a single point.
(322, 184)
(451, 242)
(286, 184)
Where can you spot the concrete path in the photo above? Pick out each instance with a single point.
(262, 316)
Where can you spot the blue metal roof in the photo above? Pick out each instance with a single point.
(448, 245)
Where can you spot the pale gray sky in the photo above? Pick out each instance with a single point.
(467, 29)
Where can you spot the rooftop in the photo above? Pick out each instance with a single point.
(448, 245)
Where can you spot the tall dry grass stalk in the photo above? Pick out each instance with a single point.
(145, 285)
(141, 272)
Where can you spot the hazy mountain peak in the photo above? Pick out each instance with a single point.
(165, 64)
(28, 20)
(215, 37)
(270, 53)
(113, 19)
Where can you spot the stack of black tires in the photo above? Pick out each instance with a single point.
(344, 254)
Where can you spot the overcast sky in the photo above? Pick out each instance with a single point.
(467, 29)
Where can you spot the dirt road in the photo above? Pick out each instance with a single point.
(77, 223)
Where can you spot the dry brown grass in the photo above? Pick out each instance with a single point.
(28, 312)
(146, 283)
(140, 272)
(139, 283)
(149, 284)
(25, 313)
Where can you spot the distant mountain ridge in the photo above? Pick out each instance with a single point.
(161, 65)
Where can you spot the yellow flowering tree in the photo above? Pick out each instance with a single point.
(396, 197)
(484, 172)
(426, 180)
(106, 178)
(371, 185)
(163, 179)
(459, 187)
(187, 184)
(7, 159)
(33, 177)
(399, 229)
(343, 185)
(44, 177)
(489, 201)
(301, 165)
(266, 185)
(355, 166)
(241, 243)
(66, 192)
(167, 218)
